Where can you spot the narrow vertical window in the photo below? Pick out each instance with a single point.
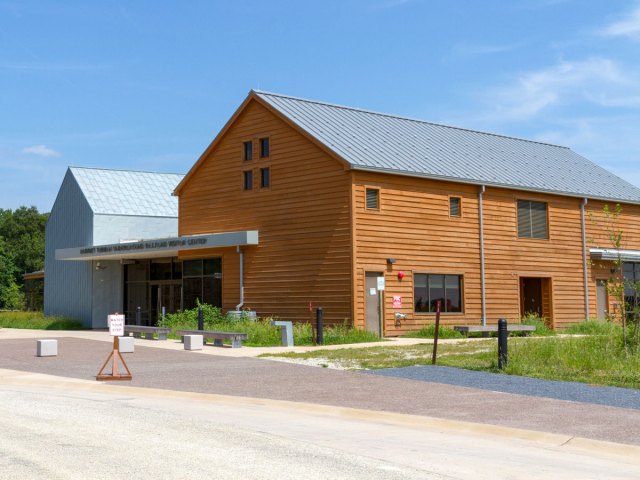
(264, 177)
(248, 150)
(454, 207)
(373, 198)
(248, 179)
(264, 147)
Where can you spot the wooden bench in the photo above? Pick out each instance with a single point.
(218, 337)
(139, 330)
(486, 329)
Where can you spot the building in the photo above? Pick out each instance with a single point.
(376, 217)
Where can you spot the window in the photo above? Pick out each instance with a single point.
(248, 179)
(264, 177)
(454, 207)
(248, 150)
(264, 147)
(532, 219)
(373, 198)
(202, 282)
(431, 288)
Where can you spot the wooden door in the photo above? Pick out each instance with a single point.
(373, 302)
(602, 299)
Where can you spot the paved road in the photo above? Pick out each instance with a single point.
(573, 391)
(248, 377)
(62, 429)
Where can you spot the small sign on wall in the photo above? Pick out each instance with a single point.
(380, 283)
(116, 325)
(397, 302)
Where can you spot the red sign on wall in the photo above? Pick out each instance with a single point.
(397, 302)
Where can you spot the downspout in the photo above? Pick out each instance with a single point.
(239, 250)
(584, 259)
(482, 282)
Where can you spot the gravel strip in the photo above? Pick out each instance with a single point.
(496, 382)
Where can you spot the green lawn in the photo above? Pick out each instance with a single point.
(37, 321)
(594, 359)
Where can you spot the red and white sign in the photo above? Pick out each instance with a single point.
(116, 325)
(397, 302)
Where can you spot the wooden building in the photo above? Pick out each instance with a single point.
(376, 217)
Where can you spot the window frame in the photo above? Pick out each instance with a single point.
(244, 150)
(379, 201)
(547, 219)
(444, 275)
(459, 197)
(247, 174)
(268, 170)
(260, 144)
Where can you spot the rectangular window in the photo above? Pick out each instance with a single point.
(264, 147)
(202, 282)
(264, 177)
(373, 198)
(248, 179)
(532, 219)
(428, 289)
(248, 150)
(631, 272)
(454, 207)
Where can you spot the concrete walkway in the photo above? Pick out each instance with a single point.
(168, 369)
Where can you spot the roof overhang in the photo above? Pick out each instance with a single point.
(158, 247)
(613, 254)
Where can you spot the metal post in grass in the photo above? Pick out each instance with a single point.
(200, 318)
(503, 334)
(319, 326)
(435, 334)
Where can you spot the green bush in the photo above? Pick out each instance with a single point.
(594, 327)
(261, 333)
(430, 330)
(37, 321)
(542, 329)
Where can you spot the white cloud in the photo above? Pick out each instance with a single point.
(627, 27)
(598, 81)
(42, 151)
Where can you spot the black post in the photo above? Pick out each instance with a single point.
(200, 319)
(319, 326)
(138, 316)
(435, 334)
(503, 334)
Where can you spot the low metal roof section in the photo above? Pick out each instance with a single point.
(386, 143)
(128, 192)
(33, 275)
(613, 254)
(158, 247)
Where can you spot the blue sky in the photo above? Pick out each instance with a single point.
(147, 85)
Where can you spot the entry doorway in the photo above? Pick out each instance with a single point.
(535, 297)
(167, 295)
(373, 302)
(602, 299)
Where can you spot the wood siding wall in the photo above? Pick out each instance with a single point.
(303, 219)
(413, 226)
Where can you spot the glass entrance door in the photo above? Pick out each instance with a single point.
(167, 295)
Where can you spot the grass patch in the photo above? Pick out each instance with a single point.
(593, 359)
(594, 327)
(37, 321)
(261, 333)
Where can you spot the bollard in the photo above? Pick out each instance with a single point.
(138, 316)
(503, 334)
(200, 319)
(319, 326)
(435, 334)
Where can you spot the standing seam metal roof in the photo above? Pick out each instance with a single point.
(381, 142)
(126, 192)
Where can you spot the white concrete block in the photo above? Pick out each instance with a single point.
(193, 342)
(47, 348)
(126, 344)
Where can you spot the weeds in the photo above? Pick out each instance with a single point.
(37, 321)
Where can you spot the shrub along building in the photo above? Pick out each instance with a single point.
(376, 218)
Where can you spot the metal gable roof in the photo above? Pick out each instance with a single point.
(126, 192)
(386, 143)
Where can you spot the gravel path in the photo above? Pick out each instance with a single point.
(572, 391)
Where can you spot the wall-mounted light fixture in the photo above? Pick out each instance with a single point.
(391, 261)
(100, 267)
